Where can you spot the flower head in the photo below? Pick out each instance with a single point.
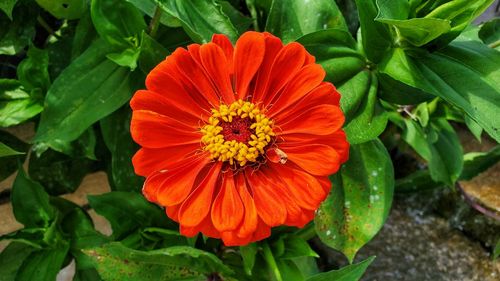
(236, 140)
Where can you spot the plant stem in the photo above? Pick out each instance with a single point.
(494, 44)
(46, 26)
(268, 256)
(155, 22)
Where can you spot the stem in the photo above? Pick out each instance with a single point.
(494, 44)
(308, 232)
(268, 256)
(46, 26)
(155, 22)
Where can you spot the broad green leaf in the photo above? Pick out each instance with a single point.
(86, 91)
(83, 147)
(460, 13)
(490, 33)
(259, 10)
(360, 199)
(17, 34)
(118, 22)
(80, 227)
(370, 119)
(57, 172)
(84, 35)
(132, 212)
(200, 18)
(33, 72)
(418, 31)
(16, 111)
(116, 133)
(393, 9)
(291, 19)
(148, 7)
(30, 202)
(7, 151)
(296, 247)
(116, 262)
(478, 162)
(248, 254)
(394, 91)
(375, 36)
(10, 164)
(64, 9)
(152, 53)
(7, 6)
(239, 20)
(43, 264)
(127, 58)
(352, 272)
(11, 259)
(474, 127)
(465, 74)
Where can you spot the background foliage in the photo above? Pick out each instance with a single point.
(409, 71)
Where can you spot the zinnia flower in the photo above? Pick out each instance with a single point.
(238, 140)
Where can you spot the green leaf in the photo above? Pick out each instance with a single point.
(127, 58)
(43, 264)
(7, 151)
(80, 227)
(148, 7)
(118, 22)
(116, 262)
(64, 9)
(132, 212)
(11, 259)
(478, 162)
(490, 32)
(116, 133)
(496, 251)
(86, 91)
(370, 119)
(474, 127)
(239, 20)
(296, 247)
(17, 105)
(10, 164)
(376, 38)
(152, 53)
(248, 254)
(291, 19)
(360, 199)
(17, 34)
(465, 74)
(7, 6)
(352, 272)
(394, 91)
(57, 172)
(417, 181)
(84, 35)
(33, 72)
(200, 18)
(30, 202)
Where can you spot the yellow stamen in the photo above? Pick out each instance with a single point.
(234, 151)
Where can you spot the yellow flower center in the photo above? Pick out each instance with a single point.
(237, 133)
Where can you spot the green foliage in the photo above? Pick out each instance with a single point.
(414, 72)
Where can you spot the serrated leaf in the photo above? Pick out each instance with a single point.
(200, 18)
(291, 19)
(360, 199)
(352, 272)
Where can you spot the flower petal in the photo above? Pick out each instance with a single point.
(250, 218)
(317, 159)
(198, 204)
(226, 45)
(227, 209)
(319, 120)
(215, 63)
(248, 55)
(153, 130)
(149, 160)
(336, 140)
(308, 78)
(273, 46)
(171, 187)
(270, 206)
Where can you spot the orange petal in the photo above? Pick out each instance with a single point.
(173, 212)
(270, 206)
(248, 55)
(286, 64)
(319, 120)
(198, 204)
(170, 187)
(305, 189)
(250, 218)
(215, 63)
(305, 80)
(149, 160)
(153, 130)
(206, 227)
(231, 239)
(226, 45)
(273, 46)
(227, 209)
(337, 140)
(317, 159)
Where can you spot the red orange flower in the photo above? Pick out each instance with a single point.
(238, 140)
